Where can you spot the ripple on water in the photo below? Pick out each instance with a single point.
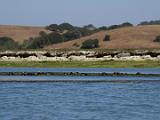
(21, 101)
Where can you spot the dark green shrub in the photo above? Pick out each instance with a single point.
(90, 27)
(58, 35)
(113, 27)
(126, 24)
(54, 27)
(8, 43)
(66, 26)
(45, 39)
(55, 38)
(153, 22)
(103, 28)
(71, 35)
(42, 41)
(77, 33)
(42, 33)
(106, 38)
(60, 28)
(157, 39)
(90, 44)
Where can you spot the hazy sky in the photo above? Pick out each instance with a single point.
(77, 12)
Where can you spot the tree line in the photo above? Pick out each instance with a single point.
(152, 22)
(65, 32)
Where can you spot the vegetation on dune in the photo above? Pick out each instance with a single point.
(8, 43)
(126, 24)
(59, 28)
(90, 44)
(53, 27)
(66, 32)
(66, 26)
(42, 41)
(153, 22)
(103, 28)
(60, 33)
(90, 27)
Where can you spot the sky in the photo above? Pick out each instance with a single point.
(77, 12)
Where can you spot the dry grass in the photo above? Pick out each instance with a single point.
(123, 38)
(20, 33)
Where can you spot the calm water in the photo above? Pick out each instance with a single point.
(84, 70)
(74, 78)
(80, 101)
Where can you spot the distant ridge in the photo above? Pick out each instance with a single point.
(20, 33)
(121, 38)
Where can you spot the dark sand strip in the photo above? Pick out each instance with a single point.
(74, 74)
(80, 81)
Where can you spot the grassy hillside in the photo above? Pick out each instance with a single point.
(20, 33)
(122, 38)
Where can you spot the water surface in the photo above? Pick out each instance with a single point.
(80, 101)
(85, 70)
(35, 101)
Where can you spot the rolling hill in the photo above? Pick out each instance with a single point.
(122, 38)
(20, 33)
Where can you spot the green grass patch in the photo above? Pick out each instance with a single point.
(78, 64)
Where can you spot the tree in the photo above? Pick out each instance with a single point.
(53, 27)
(55, 38)
(113, 27)
(90, 44)
(58, 35)
(153, 22)
(42, 41)
(126, 24)
(85, 32)
(90, 27)
(8, 43)
(42, 34)
(60, 28)
(103, 28)
(66, 26)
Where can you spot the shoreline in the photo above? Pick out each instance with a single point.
(138, 74)
(81, 55)
(82, 58)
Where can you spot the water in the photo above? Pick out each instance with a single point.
(76, 78)
(80, 101)
(85, 70)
